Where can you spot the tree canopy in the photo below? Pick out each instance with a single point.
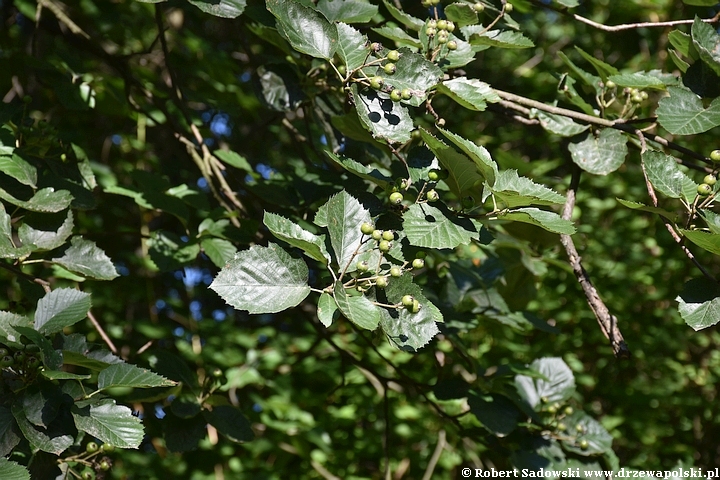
(358, 239)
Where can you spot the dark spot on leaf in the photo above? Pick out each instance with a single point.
(430, 218)
(374, 117)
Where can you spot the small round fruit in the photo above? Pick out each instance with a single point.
(544, 399)
(19, 357)
(377, 235)
(432, 196)
(636, 98)
(508, 7)
(434, 175)
(406, 94)
(367, 228)
(432, 23)
(561, 427)
(388, 235)
(342, 69)
(363, 266)
(450, 26)
(443, 36)
(217, 373)
(33, 362)
(395, 271)
(7, 361)
(569, 410)
(390, 68)
(418, 263)
(407, 301)
(376, 83)
(430, 31)
(442, 24)
(644, 95)
(704, 189)
(402, 184)
(396, 198)
(579, 428)
(552, 409)
(395, 95)
(610, 84)
(478, 7)
(415, 307)
(393, 55)
(710, 179)
(104, 465)
(88, 475)
(376, 46)
(384, 246)
(584, 444)
(381, 282)
(91, 447)
(452, 45)
(108, 447)
(715, 155)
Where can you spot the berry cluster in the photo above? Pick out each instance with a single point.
(440, 30)
(19, 366)
(94, 461)
(378, 83)
(558, 415)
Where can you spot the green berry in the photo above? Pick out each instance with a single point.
(434, 175)
(430, 31)
(32, 362)
(568, 410)
(395, 95)
(88, 475)
(579, 428)
(406, 94)
(104, 465)
(610, 84)
(363, 266)
(396, 198)
(395, 271)
(415, 307)
(390, 68)
(402, 184)
(19, 357)
(91, 447)
(381, 282)
(376, 83)
(384, 246)
(442, 24)
(388, 235)
(432, 196)
(377, 235)
(710, 179)
(432, 23)
(584, 444)
(636, 98)
(450, 26)
(443, 36)
(7, 361)
(715, 155)
(552, 409)
(367, 228)
(418, 263)
(644, 95)
(479, 7)
(393, 55)
(217, 373)
(108, 447)
(704, 189)
(452, 45)
(561, 427)
(407, 301)
(342, 69)
(508, 7)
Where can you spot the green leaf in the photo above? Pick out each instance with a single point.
(712, 219)
(16, 167)
(461, 13)
(307, 30)
(707, 241)
(50, 441)
(353, 47)
(279, 87)
(461, 56)
(8, 322)
(701, 3)
(707, 43)
(8, 433)
(516, 191)
(601, 154)
(110, 423)
(51, 358)
(7, 140)
(557, 386)
(357, 308)
(429, 227)
(230, 422)
(44, 200)
(463, 175)
(558, 124)
(327, 309)
(683, 113)
(645, 208)
(345, 214)
(221, 8)
(60, 375)
(568, 3)
(699, 303)
(412, 23)
(496, 412)
(589, 79)
(48, 235)
(263, 280)
(414, 73)
(381, 116)
(61, 308)
(637, 80)
(234, 160)
(409, 331)
(470, 93)
(168, 252)
(13, 471)
(218, 250)
(348, 11)
(682, 42)
(398, 35)
(312, 245)
(126, 375)
(603, 69)
(550, 221)
(486, 166)
(85, 258)
(362, 171)
(598, 439)
(496, 38)
(665, 175)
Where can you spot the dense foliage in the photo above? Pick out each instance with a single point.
(346, 239)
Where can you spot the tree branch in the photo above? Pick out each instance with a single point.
(607, 321)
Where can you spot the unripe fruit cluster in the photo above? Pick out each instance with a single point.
(706, 188)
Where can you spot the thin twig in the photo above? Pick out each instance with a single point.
(607, 321)
(436, 455)
(102, 333)
(43, 283)
(624, 26)
(60, 14)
